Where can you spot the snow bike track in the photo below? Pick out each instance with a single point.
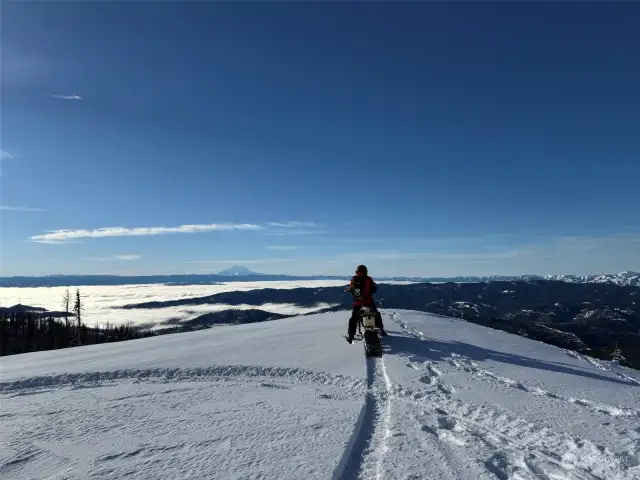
(512, 448)
(364, 455)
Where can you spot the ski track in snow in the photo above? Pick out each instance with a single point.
(514, 448)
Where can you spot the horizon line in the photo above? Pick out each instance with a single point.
(259, 274)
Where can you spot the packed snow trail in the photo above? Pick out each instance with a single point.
(364, 455)
(289, 399)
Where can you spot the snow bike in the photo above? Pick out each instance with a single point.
(371, 338)
(366, 317)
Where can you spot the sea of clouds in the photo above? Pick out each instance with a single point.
(101, 302)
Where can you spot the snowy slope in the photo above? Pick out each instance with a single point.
(290, 399)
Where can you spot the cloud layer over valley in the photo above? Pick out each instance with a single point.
(101, 302)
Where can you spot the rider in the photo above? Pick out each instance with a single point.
(362, 287)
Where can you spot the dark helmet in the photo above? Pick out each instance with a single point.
(363, 269)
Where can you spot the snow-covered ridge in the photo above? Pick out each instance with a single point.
(623, 278)
(291, 399)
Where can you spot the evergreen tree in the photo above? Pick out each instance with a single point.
(66, 303)
(77, 309)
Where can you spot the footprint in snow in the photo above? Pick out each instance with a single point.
(428, 379)
(274, 385)
(430, 429)
(432, 370)
(417, 333)
(448, 389)
(327, 396)
(313, 421)
(445, 429)
(413, 365)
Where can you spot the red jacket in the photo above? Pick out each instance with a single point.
(362, 288)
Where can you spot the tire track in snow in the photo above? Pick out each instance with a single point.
(367, 446)
(512, 447)
(163, 375)
(509, 457)
(364, 455)
(466, 364)
(386, 420)
(215, 428)
(470, 366)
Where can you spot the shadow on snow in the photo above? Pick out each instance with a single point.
(436, 350)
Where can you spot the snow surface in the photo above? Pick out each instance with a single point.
(290, 399)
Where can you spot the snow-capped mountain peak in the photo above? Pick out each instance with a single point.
(622, 278)
(236, 271)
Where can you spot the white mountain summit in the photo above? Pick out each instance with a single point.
(236, 271)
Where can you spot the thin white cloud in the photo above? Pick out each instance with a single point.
(281, 247)
(58, 242)
(294, 228)
(123, 257)
(273, 228)
(20, 209)
(360, 223)
(4, 155)
(65, 97)
(542, 255)
(365, 240)
(474, 256)
(297, 232)
(127, 257)
(65, 235)
(294, 224)
(433, 256)
(242, 262)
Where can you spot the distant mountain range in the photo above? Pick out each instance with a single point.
(624, 278)
(595, 318)
(239, 273)
(587, 317)
(236, 271)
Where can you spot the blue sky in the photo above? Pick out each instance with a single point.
(420, 138)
